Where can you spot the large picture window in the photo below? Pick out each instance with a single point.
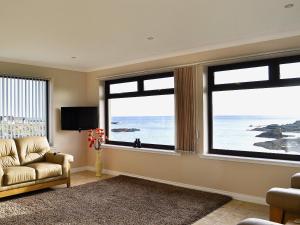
(141, 107)
(23, 107)
(253, 109)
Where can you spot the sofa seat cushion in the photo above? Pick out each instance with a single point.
(18, 174)
(46, 169)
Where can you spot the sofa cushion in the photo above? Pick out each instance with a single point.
(46, 169)
(18, 174)
(32, 149)
(8, 153)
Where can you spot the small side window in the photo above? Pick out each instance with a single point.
(241, 75)
(290, 70)
(159, 84)
(123, 87)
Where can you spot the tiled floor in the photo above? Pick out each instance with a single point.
(85, 177)
(229, 214)
(233, 212)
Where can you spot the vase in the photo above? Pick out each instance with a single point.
(98, 164)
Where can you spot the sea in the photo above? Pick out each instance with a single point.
(234, 132)
(153, 129)
(231, 132)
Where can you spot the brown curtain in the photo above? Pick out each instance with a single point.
(186, 89)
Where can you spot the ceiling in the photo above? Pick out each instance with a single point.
(109, 33)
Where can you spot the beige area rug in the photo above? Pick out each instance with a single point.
(119, 200)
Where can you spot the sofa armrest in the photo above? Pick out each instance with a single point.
(254, 221)
(287, 199)
(295, 181)
(60, 158)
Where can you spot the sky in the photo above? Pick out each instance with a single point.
(269, 101)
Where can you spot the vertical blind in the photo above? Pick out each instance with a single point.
(23, 107)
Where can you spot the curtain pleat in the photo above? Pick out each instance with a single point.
(22, 107)
(186, 83)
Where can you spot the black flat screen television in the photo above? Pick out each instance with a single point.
(79, 118)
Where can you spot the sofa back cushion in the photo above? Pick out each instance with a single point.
(32, 149)
(8, 153)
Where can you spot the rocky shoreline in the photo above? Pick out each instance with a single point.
(125, 130)
(281, 144)
(281, 141)
(291, 127)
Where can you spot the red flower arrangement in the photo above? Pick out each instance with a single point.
(96, 138)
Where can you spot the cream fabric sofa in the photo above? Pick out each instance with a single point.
(285, 202)
(27, 164)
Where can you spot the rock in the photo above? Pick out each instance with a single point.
(267, 128)
(276, 133)
(273, 126)
(281, 144)
(125, 129)
(293, 127)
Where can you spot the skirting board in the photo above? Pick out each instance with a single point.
(80, 169)
(237, 196)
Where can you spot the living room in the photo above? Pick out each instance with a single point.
(170, 62)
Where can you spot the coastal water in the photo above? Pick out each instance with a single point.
(234, 132)
(153, 129)
(229, 132)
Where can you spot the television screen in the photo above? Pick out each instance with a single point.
(79, 118)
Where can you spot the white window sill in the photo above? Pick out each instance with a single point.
(275, 162)
(147, 150)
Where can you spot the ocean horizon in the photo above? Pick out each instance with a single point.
(152, 129)
(231, 132)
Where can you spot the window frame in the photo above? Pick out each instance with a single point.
(47, 97)
(47, 110)
(139, 93)
(273, 82)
